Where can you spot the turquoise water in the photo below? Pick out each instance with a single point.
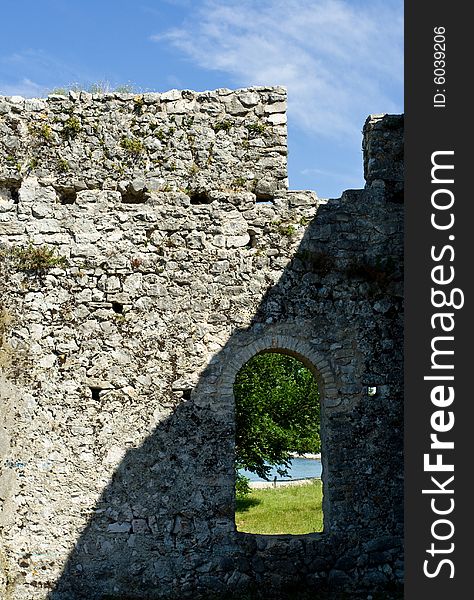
(301, 468)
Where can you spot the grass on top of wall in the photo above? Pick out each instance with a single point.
(291, 509)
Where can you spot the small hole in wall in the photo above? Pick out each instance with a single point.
(252, 243)
(186, 395)
(117, 307)
(15, 194)
(134, 197)
(67, 197)
(397, 197)
(200, 198)
(371, 391)
(263, 199)
(95, 392)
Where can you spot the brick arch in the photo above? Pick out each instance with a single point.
(322, 372)
(284, 344)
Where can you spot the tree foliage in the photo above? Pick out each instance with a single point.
(277, 412)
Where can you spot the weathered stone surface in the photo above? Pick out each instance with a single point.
(171, 141)
(117, 366)
(383, 154)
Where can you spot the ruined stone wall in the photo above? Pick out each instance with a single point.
(136, 278)
(175, 141)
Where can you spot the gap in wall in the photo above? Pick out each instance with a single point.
(278, 447)
(67, 196)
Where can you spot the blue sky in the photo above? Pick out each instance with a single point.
(340, 60)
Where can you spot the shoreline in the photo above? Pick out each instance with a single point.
(287, 482)
(259, 485)
(306, 455)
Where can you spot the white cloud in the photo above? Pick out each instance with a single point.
(339, 60)
(22, 87)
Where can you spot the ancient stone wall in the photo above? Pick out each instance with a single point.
(150, 247)
(175, 141)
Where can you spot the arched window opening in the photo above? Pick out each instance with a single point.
(277, 446)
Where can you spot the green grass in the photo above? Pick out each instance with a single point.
(292, 509)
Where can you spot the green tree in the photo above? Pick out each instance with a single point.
(277, 412)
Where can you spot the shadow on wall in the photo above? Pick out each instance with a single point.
(164, 526)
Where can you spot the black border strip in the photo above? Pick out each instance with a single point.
(437, 124)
